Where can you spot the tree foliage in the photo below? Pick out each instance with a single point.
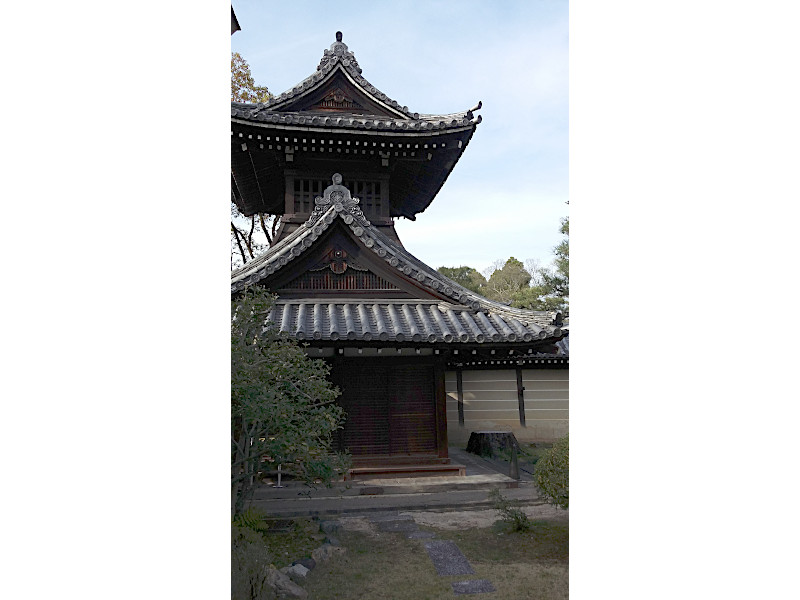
(557, 278)
(521, 285)
(550, 288)
(250, 561)
(551, 474)
(507, 281)
(250, 236)
(466, 277)
(283, 409)
(243, 87)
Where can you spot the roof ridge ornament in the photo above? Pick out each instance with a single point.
(342, 201)
(338, 52)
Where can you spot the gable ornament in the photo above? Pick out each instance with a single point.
(342, 201)
(338, 52)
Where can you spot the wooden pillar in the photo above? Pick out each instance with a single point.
(441, 409)
(460, 386)
(521, 397)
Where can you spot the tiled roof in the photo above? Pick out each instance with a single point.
(401, 321)
(425, 123)
(476, 319)
(562, 346)
(338, 57)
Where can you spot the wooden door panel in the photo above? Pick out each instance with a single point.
(390, 409)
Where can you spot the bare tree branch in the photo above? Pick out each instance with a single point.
(238, 242)
(250, 236)
(264, 229)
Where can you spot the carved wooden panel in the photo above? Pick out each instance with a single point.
(337, 99)
(351, 280)
(339, 270)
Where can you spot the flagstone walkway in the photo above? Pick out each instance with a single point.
(446, 557)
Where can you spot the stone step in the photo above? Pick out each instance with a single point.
(385, 486)
(362, 473)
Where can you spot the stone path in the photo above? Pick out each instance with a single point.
(447, 558)
(445, 555)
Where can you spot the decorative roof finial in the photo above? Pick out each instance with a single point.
(338, 197)
(338, 52)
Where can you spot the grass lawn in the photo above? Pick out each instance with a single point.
(529, 453)
(389, 566)
(284, 548)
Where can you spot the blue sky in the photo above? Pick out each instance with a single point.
(508, 192)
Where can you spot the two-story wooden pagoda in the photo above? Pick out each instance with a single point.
(339, 160)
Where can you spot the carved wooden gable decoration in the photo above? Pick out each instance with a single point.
(337, 94)
(338, 99)
(338, 271)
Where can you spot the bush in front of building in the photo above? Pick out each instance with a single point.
(551, 474)
(250, 560)
(510, 512)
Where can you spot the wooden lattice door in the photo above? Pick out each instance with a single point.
(390, 409)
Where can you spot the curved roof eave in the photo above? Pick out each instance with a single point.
(339, 59)
(280, 255)
(363, 124)
(318, 80)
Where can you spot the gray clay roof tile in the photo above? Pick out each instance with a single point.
(419, 321)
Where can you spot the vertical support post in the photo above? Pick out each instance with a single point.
(521, 397)
(460, 386)
(440, 396)
(514, 471)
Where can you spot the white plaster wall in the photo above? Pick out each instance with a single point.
(491, 403)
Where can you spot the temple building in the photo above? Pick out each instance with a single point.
(420, 360)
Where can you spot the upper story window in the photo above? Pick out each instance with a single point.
(373, 195)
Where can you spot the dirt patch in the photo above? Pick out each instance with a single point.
(360, 524)
(480, 518)
(462, 519)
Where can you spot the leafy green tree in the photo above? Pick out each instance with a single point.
(522, 285)
(551, 474)
(536, 298)
(250, 236)
(549, 287)
(243, 87)
(283, 409)
(507, 281)
(465, 276)
(557, 279)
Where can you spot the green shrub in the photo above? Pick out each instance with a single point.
(551, 474)
(250, 562)
(510, 512)
(252, 518)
